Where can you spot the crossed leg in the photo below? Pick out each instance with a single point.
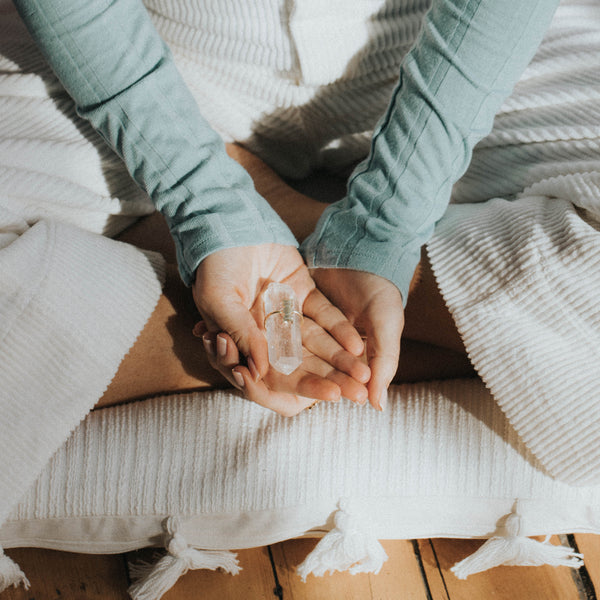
(167, 358)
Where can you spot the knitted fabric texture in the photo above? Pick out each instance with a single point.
(520, 277)
(520, 273)
(443, 460)
(72, 301)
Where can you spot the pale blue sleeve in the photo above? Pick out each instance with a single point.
(465, 62)
(112, 61)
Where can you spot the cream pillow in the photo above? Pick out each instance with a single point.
(205, 472)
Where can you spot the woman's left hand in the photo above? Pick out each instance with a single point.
(374, 305)
(228, 293)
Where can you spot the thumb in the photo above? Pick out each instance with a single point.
(234, 318)
(384, 330)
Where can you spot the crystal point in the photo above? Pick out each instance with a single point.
(282, 323)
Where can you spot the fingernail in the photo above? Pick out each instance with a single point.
(383, 399)
(199, 329)
(365, 375)
(221, 345)
(208, 346)
(364, 356)
(253, 370)
(239, 379)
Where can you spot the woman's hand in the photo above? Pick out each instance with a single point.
(228, 293)
(374, 306)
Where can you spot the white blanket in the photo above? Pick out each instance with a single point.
(521, 272)
(72, 301)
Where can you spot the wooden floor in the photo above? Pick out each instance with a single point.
(416, 570)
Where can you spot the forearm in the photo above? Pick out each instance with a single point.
(297, 210)
(468, 57)
(114, 64)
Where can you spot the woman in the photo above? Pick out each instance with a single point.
(466, 57)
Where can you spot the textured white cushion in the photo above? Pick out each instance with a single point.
(441, 461)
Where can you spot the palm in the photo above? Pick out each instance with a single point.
(228, 293)
(374, 306)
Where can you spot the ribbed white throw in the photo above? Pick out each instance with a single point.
(72, 301)
(522, 276)
(300, 83)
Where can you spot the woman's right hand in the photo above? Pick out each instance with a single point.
(228, 293)
(373, 304)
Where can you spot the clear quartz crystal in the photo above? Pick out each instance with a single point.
(282, 322)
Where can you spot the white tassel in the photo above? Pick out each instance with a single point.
(347, 547)
(515, 550)
(153, 581)
(10, 573)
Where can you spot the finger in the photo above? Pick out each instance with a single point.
(318, 342)
(211, 343)
(283, 403)
(350, 388)
(199, 329)
(318, 388)
(237, 321)
(378, 386)
(383, 369)
(228, 355)
(329, 317)
(383, 352)
(308, 380)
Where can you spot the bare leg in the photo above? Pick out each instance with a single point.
(167, 358)
(431, 345)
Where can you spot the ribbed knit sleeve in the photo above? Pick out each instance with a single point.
(463, 65)
(121, 75)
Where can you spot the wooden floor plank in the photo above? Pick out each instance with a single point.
(433, 574)
(589, 545)
(255, 581)
(500, 583)
(399, 579)
(288, 555)
(65, 576)
(401, 575)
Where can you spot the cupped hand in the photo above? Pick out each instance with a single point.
(374, 306)
(228, 293)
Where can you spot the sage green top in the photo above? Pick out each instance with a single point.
(121, 75)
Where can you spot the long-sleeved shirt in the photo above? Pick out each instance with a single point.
(122, 77)
(468, 57)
